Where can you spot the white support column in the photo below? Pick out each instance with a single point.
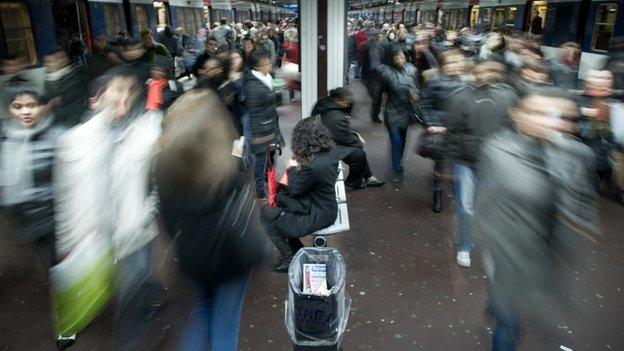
(336, 34)
(308, 39)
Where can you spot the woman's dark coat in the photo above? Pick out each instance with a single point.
(260, 103)
(309, 200)
(217, 237)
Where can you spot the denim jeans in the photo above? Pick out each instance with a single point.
(465, 192)
(216, 317)
(507, 329)
(398, 137)
(260, 167)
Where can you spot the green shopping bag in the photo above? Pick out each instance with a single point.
(82, 284)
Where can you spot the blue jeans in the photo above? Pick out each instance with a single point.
(214, 322)
(465, 192)
(507, 330)
(398, 137)
(260, 167)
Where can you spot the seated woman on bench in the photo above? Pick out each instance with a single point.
(308, 202)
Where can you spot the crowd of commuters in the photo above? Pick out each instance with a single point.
(134, 151)
(528, 143)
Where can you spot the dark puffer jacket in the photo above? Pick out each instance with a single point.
(36, 213)
(336, 120)
(435, 98)
(475, 114)
(260, 102)
(309, 201)
(73, 93)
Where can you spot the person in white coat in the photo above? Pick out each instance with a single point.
(103, 185)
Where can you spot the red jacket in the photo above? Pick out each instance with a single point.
(360, 39)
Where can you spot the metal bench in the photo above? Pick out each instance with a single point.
(342, 220)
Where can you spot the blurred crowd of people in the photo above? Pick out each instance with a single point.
(113, 150)
(528, 142)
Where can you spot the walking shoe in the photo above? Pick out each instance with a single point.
(463, 259)
(282, 266)
(261, 195)
(279, 261)
(376, 120)
(360, 185)
(64, 342)
(397, 180)
(437, 201)
(373, 181)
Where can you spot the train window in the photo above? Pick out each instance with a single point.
(487, 18)
(18, 31)
(511, 16)
(603, 27)
(141, 18)
(111, 20)
(161, 14)
(499, 18)
(474, 15)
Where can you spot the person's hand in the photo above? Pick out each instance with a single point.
(436, 130)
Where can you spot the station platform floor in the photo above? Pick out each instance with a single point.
(408, 293)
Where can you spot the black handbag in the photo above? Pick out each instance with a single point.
(431, 145)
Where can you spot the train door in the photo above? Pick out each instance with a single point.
(71, 25)
(163, 15)
(538, 17)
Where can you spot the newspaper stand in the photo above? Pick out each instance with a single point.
(316, 323)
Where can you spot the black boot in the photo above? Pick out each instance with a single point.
(286, 253)
(437, 201)
(282, 266)
(619, 197)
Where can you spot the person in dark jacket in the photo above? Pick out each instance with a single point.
(370, 72)
(535, 210)
(28, 143)
(399, 82)
(334, 111)
(134, 56)
(216, 78)
(103, 57)
(206, 202)
(595, 128)
(66, 88)
(153, 48)
(434, 108)
(474, 113)
(168, 38)
(259, 100)
(308, 202)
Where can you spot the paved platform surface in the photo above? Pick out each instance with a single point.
(408, 292)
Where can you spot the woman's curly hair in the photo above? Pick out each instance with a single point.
(310, 138)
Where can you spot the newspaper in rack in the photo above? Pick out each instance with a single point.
(315, 279)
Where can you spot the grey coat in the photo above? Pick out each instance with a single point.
(527, 190)
(35, 212)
